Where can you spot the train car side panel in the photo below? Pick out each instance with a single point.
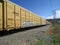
(23, 18)
(31, 20)
(43, 22)
(10, 16)
(27, 19)
(1, 18)
(17, 17)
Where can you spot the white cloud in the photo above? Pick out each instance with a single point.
(50, 17)
(57, 15)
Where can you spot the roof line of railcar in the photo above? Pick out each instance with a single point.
(22, 7)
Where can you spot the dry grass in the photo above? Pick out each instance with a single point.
(54, 33)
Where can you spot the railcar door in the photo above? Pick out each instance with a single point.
(17, 17)
(10, 16)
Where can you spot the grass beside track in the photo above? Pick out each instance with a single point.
(39, 42)
(57, 27)
(55, 37)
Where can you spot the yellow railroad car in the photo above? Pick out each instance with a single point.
(13, 16)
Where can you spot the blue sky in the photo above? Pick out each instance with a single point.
(43, 8)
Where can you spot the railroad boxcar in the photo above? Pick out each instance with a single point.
(13, 16)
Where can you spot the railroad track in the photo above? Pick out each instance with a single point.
(28, 37)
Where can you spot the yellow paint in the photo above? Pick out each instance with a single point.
(10, 16)
(17, 17)
(1, 16)
(21, 16)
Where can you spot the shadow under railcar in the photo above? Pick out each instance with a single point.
(4, 33)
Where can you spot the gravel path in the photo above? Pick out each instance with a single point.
(28, 37)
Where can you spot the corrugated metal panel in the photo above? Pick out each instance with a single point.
(17, 17)
(27, 19)
(34, 20)
(31, 19)
(23, 18)
(21, 7)
(1, 20)
(41, 20)
(10, 16)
